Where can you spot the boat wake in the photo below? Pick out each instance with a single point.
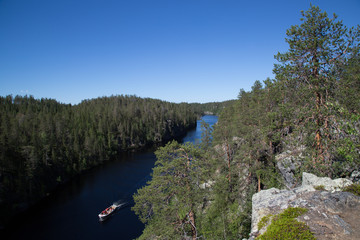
(120, 204)
(126, 200)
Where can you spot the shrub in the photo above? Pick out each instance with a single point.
(353, 188)
(320, 188)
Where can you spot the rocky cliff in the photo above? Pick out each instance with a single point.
(332, 213)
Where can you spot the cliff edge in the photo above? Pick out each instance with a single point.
(332, 213)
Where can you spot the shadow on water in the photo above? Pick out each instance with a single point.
(71, 211)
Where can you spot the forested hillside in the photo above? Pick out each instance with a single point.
(44, 143)
(310, 111)
(213, 108)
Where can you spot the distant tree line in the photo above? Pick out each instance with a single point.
(44, 143)
(213, 108)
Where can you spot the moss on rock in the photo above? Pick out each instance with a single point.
(264, 221)
(285, 226)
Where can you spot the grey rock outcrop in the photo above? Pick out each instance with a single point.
(287, 163)
(328, 184)
(207, 184)
(287, 169)
(331, 214)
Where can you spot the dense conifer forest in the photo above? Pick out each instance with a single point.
(310, 111)
(212, 108)
(44, 143)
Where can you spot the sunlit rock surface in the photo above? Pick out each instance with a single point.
(332, 214)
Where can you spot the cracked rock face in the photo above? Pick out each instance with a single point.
(331, 214)
(287, 162)
(287, 169)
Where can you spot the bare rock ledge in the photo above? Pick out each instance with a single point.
(332, 214)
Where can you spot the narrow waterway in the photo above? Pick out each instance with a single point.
(71, 211)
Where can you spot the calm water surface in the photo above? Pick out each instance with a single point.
(71, 211)
(194, 136)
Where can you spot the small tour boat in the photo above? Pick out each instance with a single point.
(107, 212)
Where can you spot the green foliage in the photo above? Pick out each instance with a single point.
(58, 179)
(270, 177)
(44, 143)
(353, 188)
(307, 105)
(293, 212)
(284, 226)
(168, 204)
(313, 102)
(226, 217)
(206, 135)
(320, 188)
(210, 108)
(349, 84)
(264, 221)
(303, 107)
(319, 50)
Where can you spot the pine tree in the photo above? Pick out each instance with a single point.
(169, 202)
(309, 71)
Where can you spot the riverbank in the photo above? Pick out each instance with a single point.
(46, 143)
(74, 205)
(11, 215)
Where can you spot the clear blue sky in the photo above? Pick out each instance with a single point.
(174, 50)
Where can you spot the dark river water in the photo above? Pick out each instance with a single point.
(71, 212)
